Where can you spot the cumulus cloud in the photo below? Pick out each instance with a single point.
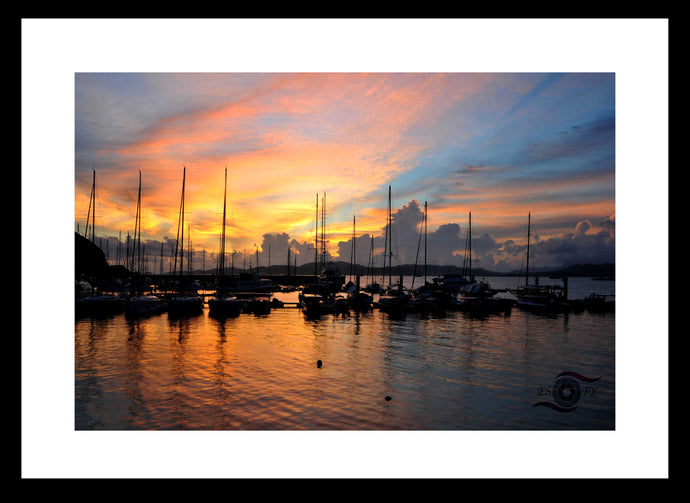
(584, 245)
(582, 227)
(588, 242)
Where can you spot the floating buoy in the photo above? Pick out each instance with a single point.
(318, 363)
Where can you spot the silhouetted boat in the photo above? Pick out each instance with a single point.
(395, 300)
(332, 278)
(93, 299)
(100, 304)
(547, 298)
(358, 299)
(372, 287)
(337, 303)
(141, 302)
(107, 303)
(428, 298)
(223, 303)
(187, 301)
(311, 298)
(142, 305)
(542, 298)
(254, 302)
(600, 303)
(478, 297)
(251, 282)
(450, 282)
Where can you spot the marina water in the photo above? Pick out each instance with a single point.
(368, 371)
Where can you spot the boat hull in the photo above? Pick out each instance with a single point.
(180, 306)
(224, 306)
(100, 305)
(144, 305)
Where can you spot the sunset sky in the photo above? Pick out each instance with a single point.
(499, 145)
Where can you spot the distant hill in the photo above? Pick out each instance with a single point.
(587, 270)
(580, 270)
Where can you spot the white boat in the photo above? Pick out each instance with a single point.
(549, 298)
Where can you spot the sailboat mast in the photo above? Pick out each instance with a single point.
(93, 215)
(189, 251)
(138, 236)
(222, 232)
(390, 241)
(184, 173)
(385, 251)
(371, 257)
(425, 232)
(92, 210)
(470, 245)
(352, 254)
(529, 220)
(316, 239)
(323, 230)
(135, 258)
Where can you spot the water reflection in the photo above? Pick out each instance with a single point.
(259, 372)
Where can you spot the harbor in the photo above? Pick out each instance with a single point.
(378, 371)
(217, 311)
(377, 349)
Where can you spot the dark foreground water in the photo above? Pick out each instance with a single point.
(453, 372)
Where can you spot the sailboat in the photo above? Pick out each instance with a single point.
(140, 303)
(330, 275)
(450, 283)
(541, 298)
(394, 300)
(478, 297)
(357, 299)
(222, 303)
(426, 298)
(372, 286)
(101, 299)
(187, 301)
